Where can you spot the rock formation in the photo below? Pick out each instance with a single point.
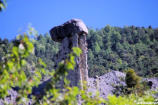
(106, 82)
(72, 34)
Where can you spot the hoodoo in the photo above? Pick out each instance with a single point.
(72, 34)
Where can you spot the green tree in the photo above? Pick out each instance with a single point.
(96, 47)
(132, 80)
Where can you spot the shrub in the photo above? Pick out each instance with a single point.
(132, 80)
(131, 99)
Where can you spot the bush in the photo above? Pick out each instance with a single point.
(132, 80)
(131, 99)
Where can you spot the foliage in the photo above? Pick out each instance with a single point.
(131, 79)
(14, 72)
(133, 85)
(118, 48)
(131, 99)
(46, 49)
(69, 95)
(111, 48)
(2, 4)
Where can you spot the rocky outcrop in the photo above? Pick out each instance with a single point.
(72, 34)
(69, 28)
(106, 83)
(153, 82)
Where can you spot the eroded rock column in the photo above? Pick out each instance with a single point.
(72, 34)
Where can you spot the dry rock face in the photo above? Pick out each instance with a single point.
(72, 34)
(154, 81)
(106, 83)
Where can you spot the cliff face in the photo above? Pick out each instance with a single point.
(72, 34)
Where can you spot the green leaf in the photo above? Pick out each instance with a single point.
(77, 51)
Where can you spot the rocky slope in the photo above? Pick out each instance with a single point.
(106, 83)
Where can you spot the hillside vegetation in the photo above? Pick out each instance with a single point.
(121, 48)
(21, 67)
(109, 48)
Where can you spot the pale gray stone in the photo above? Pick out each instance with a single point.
(72, 34)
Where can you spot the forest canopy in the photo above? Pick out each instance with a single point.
(109, 48)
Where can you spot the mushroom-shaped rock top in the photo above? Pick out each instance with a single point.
(67, 29)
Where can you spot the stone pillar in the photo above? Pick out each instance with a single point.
(72, 34)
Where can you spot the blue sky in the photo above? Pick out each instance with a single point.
(44, 14)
